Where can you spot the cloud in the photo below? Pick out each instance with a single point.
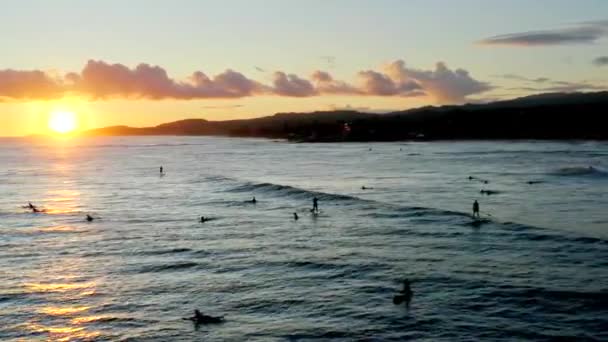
(443, 84)
(544, 84)
(292, 85)
(562, 87)
(363, 109)
(583, 33)
(19, 84)
(570, 87)
(224, 106)
(325, 84)
(523, 78)
(601, 61)
(102, 80)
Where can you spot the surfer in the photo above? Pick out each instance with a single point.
(204, 219)
(295, 216)
(254, 201)
(407, 292)
(161, 170)
(33, 208)
(476, 209)
(200, 318)
(405, 295)
(315, 205)
(90, 218)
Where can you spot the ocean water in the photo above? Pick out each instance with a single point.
(536, 270)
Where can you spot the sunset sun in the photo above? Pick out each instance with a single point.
(62, 122)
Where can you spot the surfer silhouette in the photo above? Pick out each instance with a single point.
(32, 207)
(476, 209)
(405, 295)
(295, 216)
(200, 318)
(90, 218)
(315, 205)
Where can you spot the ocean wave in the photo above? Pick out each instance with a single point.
(520, 152)
(289, 191)
(102, 146)
(420, 215)
(579, 171)
(178, 266)
(163, 251)
(564, 300)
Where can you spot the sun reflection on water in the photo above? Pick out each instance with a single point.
(62, 201)
(63, 311)
(61, 333)
(58, 229)
(58, 287)
(74, 326)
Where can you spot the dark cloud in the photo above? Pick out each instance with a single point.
(584, 33)
(601, 61)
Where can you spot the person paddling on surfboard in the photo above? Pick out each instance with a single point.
(200, 318)
(476, 209)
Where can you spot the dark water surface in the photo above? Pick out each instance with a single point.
(538, 270)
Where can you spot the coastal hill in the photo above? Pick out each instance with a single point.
(544, 116)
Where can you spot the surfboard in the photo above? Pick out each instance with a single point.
(479, 221)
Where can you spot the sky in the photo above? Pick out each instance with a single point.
(143, 63)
